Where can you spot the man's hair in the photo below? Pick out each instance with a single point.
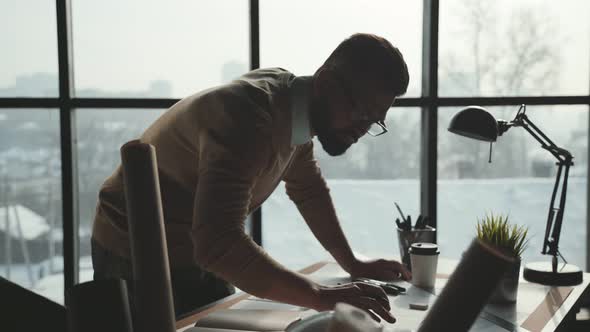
(367, 54)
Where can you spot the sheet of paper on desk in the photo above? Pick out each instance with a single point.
(250, 319)
(408, 319)
(264, 304)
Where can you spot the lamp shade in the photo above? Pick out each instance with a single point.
(475, 122)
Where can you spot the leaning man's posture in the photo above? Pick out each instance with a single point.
(221, 152)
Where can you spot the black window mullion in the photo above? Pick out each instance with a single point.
(588, 187)
(29, 102)
(256, 217)
(513, 100)
(68, 146)
(428, 160)
(104, 103)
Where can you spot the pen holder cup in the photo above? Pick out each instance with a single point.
(406, 238)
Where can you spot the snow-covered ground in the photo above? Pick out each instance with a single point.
(367, 215)
(45, 282)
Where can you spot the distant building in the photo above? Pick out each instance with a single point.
(24, 233)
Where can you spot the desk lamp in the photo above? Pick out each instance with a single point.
(477, 123)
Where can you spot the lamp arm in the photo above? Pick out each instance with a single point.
(555, 214)
(551, 242)
(521, 120)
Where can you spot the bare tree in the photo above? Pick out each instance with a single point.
(497, 59)
(532, 65)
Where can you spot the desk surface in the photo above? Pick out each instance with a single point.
(539, 308)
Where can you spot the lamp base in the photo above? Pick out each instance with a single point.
(542, 273)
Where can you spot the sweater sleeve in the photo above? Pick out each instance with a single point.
(232, 156)
(307, 188)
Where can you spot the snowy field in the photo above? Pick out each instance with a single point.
(367, 214)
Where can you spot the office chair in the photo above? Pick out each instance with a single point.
(24, 310)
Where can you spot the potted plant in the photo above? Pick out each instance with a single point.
(512, 241)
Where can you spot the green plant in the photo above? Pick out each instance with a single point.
(495, 230)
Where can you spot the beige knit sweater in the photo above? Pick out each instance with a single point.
(221, 153)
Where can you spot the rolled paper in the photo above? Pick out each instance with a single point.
(98, 306)
(468, 289)
(154, 307)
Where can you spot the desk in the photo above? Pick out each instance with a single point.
(538, 308)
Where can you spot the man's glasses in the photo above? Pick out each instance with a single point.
(376, 127)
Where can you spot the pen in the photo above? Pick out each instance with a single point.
(399, 224)
(419, 222)
(390, 290)
(422, 222)
(382, 283)
(400, 211)
(399, 288)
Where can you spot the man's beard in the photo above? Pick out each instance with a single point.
(329, 138)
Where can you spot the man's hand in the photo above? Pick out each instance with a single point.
(364, 296)
(381, 269)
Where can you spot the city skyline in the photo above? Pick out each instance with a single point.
(122, 50)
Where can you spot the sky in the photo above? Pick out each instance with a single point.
(125, 44)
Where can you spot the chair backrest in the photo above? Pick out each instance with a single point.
(24, 310)
(98, 306)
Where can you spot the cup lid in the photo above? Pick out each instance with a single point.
(424, 248)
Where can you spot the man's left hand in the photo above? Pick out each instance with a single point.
(380, 269)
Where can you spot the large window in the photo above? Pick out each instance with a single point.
(130, 60)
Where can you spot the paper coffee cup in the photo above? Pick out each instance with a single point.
(424, 258)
